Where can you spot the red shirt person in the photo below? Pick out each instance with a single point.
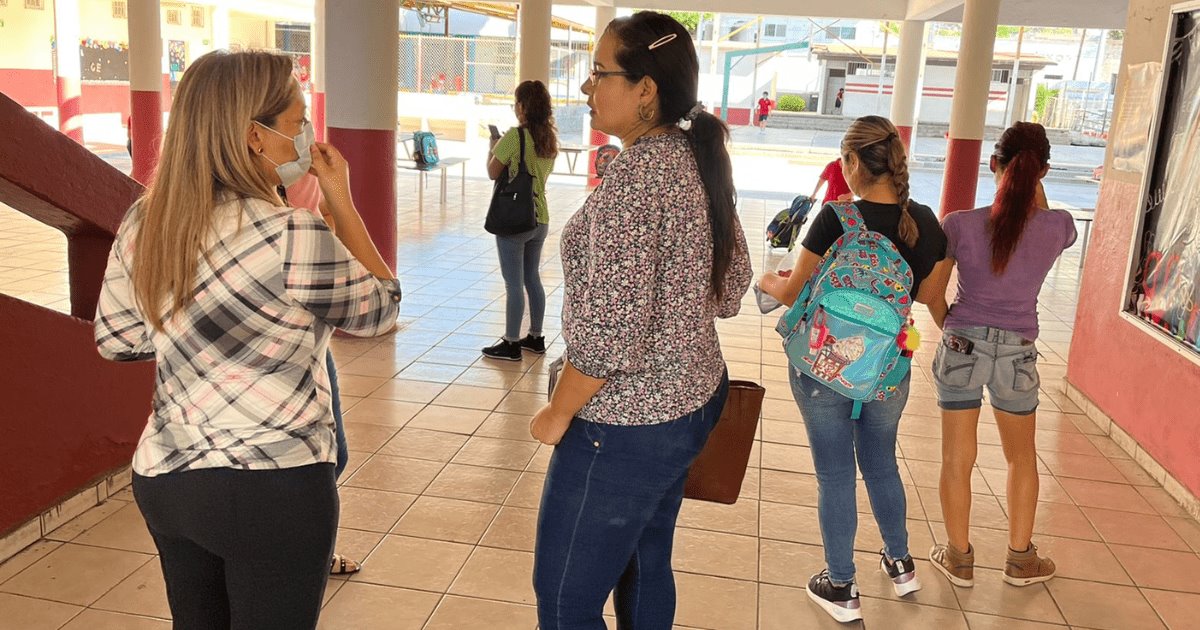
(838, 189)
(765, 105)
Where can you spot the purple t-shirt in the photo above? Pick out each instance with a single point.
(1007, 301)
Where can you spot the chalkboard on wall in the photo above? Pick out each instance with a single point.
(103, 61)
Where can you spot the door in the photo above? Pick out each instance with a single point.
(834, 82)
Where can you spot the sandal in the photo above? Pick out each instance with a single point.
(340, 565)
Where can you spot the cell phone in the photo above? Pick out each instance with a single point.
(958, 344)
(495, 131)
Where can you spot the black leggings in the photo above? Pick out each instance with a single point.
(243, 549)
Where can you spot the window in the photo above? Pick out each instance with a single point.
(775, 30)
(120, 10)
(842, 32)
(198, 17)
(1001, 76)
(174, 17)
(35, 4)
(858, 68)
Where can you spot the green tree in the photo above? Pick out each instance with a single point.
(690, 19)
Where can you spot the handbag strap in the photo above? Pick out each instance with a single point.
(521, 168)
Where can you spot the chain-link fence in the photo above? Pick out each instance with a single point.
(1080, 107)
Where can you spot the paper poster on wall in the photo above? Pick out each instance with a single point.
(1166, 285)
(1135, 117)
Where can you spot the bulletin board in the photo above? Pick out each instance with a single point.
(1164, 286)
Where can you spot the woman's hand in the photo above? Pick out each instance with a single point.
(549, 425)
(332, 171)
(773, 284)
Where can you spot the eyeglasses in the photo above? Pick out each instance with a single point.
(596, 75)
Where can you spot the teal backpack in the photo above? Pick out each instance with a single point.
(850, 326)
(425, 150)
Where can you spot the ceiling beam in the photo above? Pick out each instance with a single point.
(929, 9)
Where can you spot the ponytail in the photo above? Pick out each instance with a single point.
(1013, 206)
(709, 138)
(898, 163)
(881, 151)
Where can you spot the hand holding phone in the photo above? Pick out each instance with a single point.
(495, 131)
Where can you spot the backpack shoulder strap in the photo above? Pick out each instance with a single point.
(850, 216)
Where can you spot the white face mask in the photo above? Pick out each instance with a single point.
(291, 172)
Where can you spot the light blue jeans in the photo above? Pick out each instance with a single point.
(520, 264)
(835, 442)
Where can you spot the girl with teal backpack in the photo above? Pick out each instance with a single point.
(849, 339)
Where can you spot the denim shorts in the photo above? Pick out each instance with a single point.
(1001, 360)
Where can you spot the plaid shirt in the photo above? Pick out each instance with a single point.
(241, 379)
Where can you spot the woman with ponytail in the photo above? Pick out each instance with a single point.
(521, 254)
(655, 255)
(1003, 253)
(875, 163)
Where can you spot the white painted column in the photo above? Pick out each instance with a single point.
(318, 69)
(362, 41)
(221, 31)
(534, 41)
(604, 15)
(910, 74)
(145, 86)
(968, 114)
(67, 69)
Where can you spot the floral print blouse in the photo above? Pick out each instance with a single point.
(638, 309)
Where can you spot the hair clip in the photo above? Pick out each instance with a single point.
(663, 41)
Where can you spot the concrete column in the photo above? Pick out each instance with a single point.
(362, 40)
(221, 32)
(145, 86)
(604, 15)
(318, 70)
(910, 74)
(67, 69)
(972, 82)
(534, 40)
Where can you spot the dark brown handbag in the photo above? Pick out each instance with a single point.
(719, 470)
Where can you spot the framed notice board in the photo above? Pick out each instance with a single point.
(1164, 280)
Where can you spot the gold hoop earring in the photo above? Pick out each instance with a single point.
(645, 118)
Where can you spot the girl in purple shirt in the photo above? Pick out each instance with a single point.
(1003, 253)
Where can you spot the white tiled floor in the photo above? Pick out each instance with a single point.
(442, 493)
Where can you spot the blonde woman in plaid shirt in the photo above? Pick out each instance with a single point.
(235, 296)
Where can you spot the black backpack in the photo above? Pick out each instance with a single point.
(785, 227)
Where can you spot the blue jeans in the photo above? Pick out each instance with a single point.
(343, 450)
(520, 263)
(607, 520)
(835, 440)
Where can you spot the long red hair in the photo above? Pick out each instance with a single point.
(1022, 153)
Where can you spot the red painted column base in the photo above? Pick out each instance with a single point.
(70, 108)
(146, 131)
(372, 157)
(318, 115)
(962, 175)
(906, 135)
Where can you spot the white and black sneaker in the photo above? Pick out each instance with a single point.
(903, 573)
(841, 602)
